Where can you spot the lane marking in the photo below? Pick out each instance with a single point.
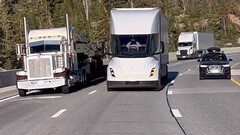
(176, 113)
(232, 79)
(92, 92)
(170, 92)
(235, 81)
(9, 98)
(180, 74)
(172, 82)
(58, 113)
(46, 97)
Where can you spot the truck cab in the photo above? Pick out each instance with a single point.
(186, 45)
(139, 49)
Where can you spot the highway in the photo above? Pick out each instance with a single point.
(186, 106)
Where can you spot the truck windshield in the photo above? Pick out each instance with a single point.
(133, 45)
(44, 46)
(185, 44)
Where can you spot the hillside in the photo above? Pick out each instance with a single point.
(220, 17)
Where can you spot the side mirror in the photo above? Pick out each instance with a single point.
(198, 60)
(230, 59)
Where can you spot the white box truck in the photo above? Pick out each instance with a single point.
(193, 44)
(139, 48)
(49, 60)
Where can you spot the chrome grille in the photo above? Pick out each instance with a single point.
(39, 68)
(215, 69)
(183, 52)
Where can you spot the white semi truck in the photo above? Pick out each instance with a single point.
(139, 48)
(49, 60)
(193, 44)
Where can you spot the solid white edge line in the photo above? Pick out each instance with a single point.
(176, 113)
(170, 92)
(9, 98)
(58, 113)
(92, 92)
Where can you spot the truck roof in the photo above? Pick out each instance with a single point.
(130, 21)
(186, 37)
(61, 32)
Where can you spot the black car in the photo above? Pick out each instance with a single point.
(214, 64)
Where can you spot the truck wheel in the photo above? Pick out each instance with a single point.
(84, 81)
(159, 85)
(166, 76)
(21, 92)
(66, 88)
(109, 89)
(201, 77)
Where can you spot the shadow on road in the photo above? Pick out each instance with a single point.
(73, 89)
(171, 76)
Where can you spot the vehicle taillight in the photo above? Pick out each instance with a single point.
(21, 77)
(62, 74)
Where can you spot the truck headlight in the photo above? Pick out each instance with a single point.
(226, 65)
(60, 62)
(112, 72)
(203, 66)
(153, 72)
(191, 50)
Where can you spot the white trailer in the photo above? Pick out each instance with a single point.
(48, 59)
(139, 48)
(193, 44)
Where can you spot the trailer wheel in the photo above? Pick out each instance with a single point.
(21, 92)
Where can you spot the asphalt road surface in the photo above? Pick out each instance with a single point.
(187, 106)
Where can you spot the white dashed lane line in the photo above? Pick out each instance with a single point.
(92, 92)
(58, 113)
(170, 92)
(180, 74)
(176, 113)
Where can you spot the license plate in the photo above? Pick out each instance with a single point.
(132, 83)
(40, 83)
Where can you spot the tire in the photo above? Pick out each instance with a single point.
(201, 77)
(228, 76)
(21, 92)
(66, 88)
(84, 81)
(166, 76)
(159, 85)
(109, 89)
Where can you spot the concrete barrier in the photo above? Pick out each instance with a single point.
(7, 78)
(172, 55)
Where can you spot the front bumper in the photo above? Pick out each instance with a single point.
(41, 84)
(185, 56)
(205, 73)
(129, 84)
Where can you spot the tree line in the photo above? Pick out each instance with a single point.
(93, 17)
